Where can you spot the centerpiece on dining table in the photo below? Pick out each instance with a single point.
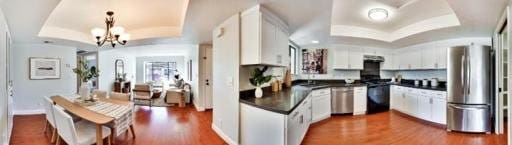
(86, 74)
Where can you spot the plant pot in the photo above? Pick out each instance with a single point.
(258, 92)
(85, 90)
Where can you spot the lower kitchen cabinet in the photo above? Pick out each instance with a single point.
(321, 104)
(425, 104)
(263, 127)
(360, 100)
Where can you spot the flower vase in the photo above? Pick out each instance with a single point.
(85, 91)
(258, 92)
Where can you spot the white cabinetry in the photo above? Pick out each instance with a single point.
(388, 61)
(264, 38)
(428, 105)
(439, 107)
(441, 58)
(434, 58)
(429, 59)
(348, 58)
(321, 104)
(360, 99)
(259, 126)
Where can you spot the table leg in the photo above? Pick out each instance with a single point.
(114, 135)
(99, 135)
(133, 132)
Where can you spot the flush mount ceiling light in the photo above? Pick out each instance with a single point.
(378, 14)
(112, 34)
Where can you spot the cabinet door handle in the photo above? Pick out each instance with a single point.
(301, 119)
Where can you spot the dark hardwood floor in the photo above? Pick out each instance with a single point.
(155, 126)
(390, 128)
(185, 126)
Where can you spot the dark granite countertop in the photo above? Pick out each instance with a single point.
(438, 88)
(288, 99)
(283, 102)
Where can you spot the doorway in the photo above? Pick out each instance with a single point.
(91, 59)
(206, 76)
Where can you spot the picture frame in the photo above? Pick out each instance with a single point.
(44, 68)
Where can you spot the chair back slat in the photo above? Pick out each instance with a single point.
(65, 126)
(48, 109)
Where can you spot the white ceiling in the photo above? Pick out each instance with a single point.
(307, 19)
(405, 18)
(74, 19)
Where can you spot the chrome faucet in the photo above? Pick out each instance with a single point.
(309, 78)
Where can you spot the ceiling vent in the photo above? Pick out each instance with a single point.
(397, 3)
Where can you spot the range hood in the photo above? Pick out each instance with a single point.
(373, 58)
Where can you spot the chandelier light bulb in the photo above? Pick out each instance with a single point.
(98, 32)
(125, 37)
(116, 30)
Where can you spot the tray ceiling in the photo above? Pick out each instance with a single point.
(74, 19)
(406, 17)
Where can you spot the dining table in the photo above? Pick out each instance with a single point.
(104, 111)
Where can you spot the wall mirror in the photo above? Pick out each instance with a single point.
(119, 69)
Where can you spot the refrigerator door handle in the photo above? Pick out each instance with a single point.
(463, 72)
(468, 71)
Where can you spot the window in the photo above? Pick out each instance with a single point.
(293, 59)
(159, 71)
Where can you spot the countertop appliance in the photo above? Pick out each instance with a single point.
(424, 82)
(434, 82)
(342, 100)
(416, 82)
(469, 89)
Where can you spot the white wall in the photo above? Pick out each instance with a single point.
(28, 93)
(226, 62)
(193, 55)
(5, 114)
(106, 63)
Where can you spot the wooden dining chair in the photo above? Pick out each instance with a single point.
(99, 93)
(79, 133)
(119, 96)
(50, 118)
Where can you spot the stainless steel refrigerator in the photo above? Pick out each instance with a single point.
(469, 88)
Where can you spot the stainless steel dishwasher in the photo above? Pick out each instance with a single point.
(342, 100)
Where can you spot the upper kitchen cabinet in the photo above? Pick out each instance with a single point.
(388, 62)
(264, 38)
(348, 59)
(434, 58)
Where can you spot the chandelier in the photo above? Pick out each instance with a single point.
(112, 34)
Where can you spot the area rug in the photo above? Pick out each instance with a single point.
(160, 102)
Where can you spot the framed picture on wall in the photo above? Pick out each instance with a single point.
(314, 61)
(44, 68)
(189, 68)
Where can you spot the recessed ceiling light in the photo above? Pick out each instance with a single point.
(315, 41)
(378, 14)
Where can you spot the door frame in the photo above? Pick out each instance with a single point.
(497, 42)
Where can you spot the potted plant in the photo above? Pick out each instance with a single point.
(85, 74)
(258, 78)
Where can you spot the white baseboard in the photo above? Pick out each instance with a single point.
(28, 112)
(223, 136)
(198, 108)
